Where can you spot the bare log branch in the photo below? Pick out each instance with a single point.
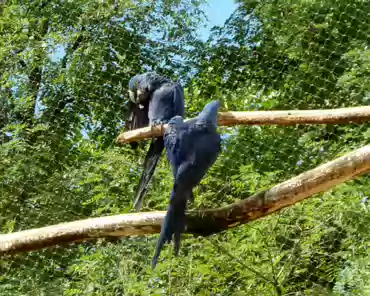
(289, 117)
(202, 222)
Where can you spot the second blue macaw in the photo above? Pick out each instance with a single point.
(192, 148)
(155, 100)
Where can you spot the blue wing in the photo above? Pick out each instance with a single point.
(199, 150)
(178, 100)
(166, 102)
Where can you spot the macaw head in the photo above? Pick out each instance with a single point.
(176, 120)
(136, 94)
(175, 123)
(132, 89)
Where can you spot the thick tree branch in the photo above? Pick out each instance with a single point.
(289, 117)
(202, 222)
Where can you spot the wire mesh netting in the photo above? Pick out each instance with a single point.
(65, 67)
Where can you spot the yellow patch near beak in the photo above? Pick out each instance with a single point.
(132, 96)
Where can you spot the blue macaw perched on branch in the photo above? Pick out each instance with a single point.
(192, 148)
(155, 100)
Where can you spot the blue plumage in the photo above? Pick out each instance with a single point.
(155, 100)
(192, 148)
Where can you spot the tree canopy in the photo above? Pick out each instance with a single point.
(65, 67)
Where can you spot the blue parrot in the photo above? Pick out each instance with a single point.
(192, 148)
(154, 100)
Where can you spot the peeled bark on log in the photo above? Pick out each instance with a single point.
(289, 117)
(202, 222)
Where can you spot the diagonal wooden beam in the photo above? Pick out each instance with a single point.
(202, 222)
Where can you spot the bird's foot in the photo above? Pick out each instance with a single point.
(155, 124)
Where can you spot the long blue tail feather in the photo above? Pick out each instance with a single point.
(150, 163)
(173, 225)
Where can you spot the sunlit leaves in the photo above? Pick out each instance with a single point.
(71, 61)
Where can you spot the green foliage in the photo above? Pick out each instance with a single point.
(64, 71)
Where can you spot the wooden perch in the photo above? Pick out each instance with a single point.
(290, 117)
(202, 222)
